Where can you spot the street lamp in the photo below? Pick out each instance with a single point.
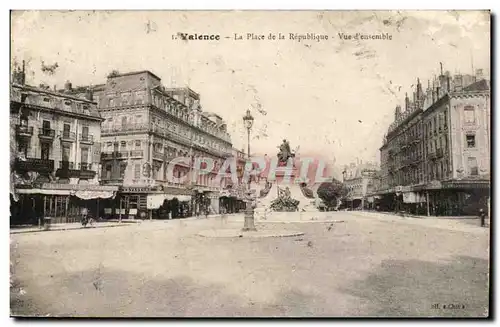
(249, 213)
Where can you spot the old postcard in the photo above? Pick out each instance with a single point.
(250, 163)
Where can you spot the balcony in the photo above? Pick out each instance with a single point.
(66, 165)
(87, 139)
(126, 128)
(67, 136)
(107, 155)
(122, 154)
(136, 153)
(86, 171)
(114, 155)
(85, 166)
(24, 131)
(158, 155)
(34, 164)
(66, 170)
(46, 134)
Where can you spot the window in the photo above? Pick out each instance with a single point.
(84, 157)
(469, 115)
(123, 144)
(445, 118)
(108, 171)
(124, 99)
(472, 165)
(66, 130)
(45, 151)
(123, 166)
(124, 122)
(137, 171)
(85, 132)
(109, 144)
(46, 127)
(22, 148)
(66, 153)
(471, 140)
(137, 144)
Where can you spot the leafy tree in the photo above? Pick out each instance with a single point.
(332, 192)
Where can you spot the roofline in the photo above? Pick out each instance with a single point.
(136, 73)
(59, 94)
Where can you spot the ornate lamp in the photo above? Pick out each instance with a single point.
(249, 212)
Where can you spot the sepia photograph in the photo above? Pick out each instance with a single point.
(242, 164)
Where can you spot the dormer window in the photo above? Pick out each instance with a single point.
(67, 102)
(46, 99)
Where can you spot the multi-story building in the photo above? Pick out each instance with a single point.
(55, 140)
(232, 197)
(361, 180)
(435, 158)
(145, 127)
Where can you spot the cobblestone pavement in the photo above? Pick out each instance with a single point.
(349, 265)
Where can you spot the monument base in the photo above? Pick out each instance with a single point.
(284, 178)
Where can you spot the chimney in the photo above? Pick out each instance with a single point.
(479, 74)
(407, 102)
(89, 94)
(55, 88)
(397, 113)
(67, 86)
(23, 74)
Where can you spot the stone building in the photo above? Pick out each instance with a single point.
(146, 126)
(435, 158)
(55, 154)
(361, 180)
(232, 196)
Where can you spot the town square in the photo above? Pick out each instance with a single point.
(318, 167)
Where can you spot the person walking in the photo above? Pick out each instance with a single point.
(482, 216)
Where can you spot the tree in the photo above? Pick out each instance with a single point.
(332, 192)
(113, 73)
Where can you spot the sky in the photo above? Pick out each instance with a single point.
(333, 98)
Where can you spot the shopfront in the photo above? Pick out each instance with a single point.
(63, 203)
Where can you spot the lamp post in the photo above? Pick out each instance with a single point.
(249, 224)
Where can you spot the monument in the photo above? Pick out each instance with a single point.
(291, 193)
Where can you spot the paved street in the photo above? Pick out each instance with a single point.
(346, 264)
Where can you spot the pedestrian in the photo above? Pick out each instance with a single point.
(207, 211)
(482, 216)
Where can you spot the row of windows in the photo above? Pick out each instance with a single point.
(126, 122)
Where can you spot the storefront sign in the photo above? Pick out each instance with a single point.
(136, 190)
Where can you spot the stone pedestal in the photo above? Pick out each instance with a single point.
(249, 225)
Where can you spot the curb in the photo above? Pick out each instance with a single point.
(298, 221)
(63, 229)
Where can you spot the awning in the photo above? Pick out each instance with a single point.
(154, 201)
(183, 197)
(41, 191)
(88, 195)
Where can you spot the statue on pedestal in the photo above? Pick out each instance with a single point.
(285, 153)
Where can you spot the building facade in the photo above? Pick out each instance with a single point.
(145, 127)
(55, 153)
(435, 158)
(361, 180)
